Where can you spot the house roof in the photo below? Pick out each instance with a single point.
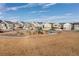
(9, 22)
(76, 23)
(0, 21)
(40, 22)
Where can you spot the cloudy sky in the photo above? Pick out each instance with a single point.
(45, 12)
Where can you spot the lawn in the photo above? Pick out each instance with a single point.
(60, 44)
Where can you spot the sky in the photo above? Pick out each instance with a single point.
(40, 12)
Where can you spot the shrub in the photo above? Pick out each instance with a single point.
(21, 33)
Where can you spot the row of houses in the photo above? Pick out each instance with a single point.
(8, 26)
(58, 26)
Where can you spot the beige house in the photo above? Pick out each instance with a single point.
(26, 26)
(57, 26)
(47, 26)
(17, 25)
(3, 25)
(37, 24)
(10, 25)
(67, 26)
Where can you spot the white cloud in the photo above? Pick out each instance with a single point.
(13, 18)
(29, 5)
(1, 17)
(15, 8)
(34, 12)
(48, 5)
(41, 11)
(3, 8)
(19, 7)
(62, 18)
(65, 16)
(68, 14)
(45, 5)
(58, 17)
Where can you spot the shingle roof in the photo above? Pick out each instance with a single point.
(76, 23)
(1, 21)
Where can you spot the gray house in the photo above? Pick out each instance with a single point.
(76, 26)
(10, 25)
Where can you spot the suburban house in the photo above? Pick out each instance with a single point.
(2, 25)
(47, 26)
(26, 25)
(17, 25)
(57, 26)
(67, 26)
(76, 26)
(10, 25)
(37, 24)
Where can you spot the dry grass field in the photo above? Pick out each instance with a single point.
(61, 44)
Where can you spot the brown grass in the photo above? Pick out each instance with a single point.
(65, 43)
